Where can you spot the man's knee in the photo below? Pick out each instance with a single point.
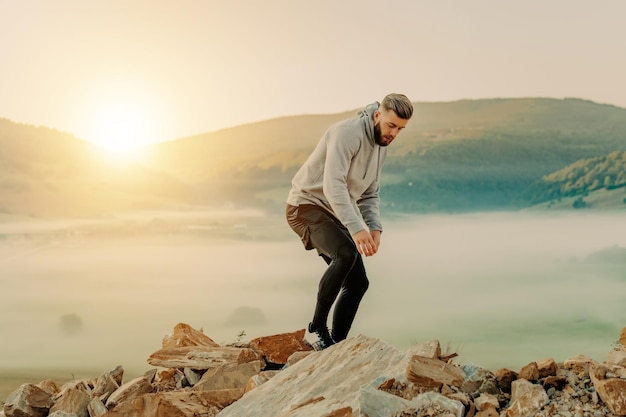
(347, 254)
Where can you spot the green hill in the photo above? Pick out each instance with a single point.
(458, 156)
(591, 182)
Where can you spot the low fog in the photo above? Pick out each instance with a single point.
(501, 289)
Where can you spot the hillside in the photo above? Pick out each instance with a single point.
(458, 156)
(45, 172)
(599, 175)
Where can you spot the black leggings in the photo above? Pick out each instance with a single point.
(345, 279)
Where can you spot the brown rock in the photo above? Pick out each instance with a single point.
(202, 357)
(529, 372)
(427, 372)
(228, 377)
(430, 349)
(118, 374)
(526, 399)
(579, 364)
(177, 404)
(488, 412)
(505, 377)
(485, 401)
(546, 367)
(278, 348)
(105, 385)
(96, 408)
(49, 386)
(616, 357)
(73, 399)
(259, 379)
(324, 382)
(612, 391)
(184, 335)
(554, 381)
(169, 379)
(131, 389)
(297, 356)
(28, 401)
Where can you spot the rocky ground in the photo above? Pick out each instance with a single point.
(280, 376)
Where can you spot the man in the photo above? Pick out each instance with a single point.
(333, 206)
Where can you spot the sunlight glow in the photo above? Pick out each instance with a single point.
(122, 122)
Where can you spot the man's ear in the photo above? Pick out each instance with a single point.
(376, 116)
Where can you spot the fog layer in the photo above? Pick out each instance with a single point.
(501, 289)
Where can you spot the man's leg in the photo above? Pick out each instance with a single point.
(354, 287)
(337, 248)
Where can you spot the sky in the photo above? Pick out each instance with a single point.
(125, 73)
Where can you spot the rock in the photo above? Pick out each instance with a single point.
(579, 364)
(427, 372)
(430, 349)
(526, 399)
(323, 383)
(296, 356)
(131, 389)
(228, 377)
(49, 386)
(169, 379)
(505, 377)
(529, 372)
(278, 348)
(105, 385)
(616, 357)
(28, 401)
(489, 412)
(478, 380)
(554, 381)
(73, 399)
(177, 404)
(96, 408)
(259, 379)
(184, 335)
(546, 367)
(118, 374)
(612, 391)
(377, 403)
(202, 357)
(60, 413)
(191, 376)
(485, 401)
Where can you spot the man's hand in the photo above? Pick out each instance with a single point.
(367, 243)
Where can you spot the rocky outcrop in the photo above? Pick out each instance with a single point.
(362, 376)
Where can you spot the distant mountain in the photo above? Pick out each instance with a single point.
(457, 156)
(45, 172)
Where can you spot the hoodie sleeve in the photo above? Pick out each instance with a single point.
(369, 206)
(340, 149)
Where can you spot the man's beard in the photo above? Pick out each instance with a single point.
(378, 135)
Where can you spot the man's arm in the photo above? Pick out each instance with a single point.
(339, 153)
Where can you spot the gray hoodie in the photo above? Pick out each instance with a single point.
(342, 174)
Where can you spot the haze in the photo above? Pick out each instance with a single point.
(123, 74)
(502, 289)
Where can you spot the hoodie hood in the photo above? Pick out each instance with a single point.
(367, 118)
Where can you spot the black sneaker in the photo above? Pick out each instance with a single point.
(319, 339)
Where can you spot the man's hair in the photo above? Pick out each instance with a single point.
(400, 104)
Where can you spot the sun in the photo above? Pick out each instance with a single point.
(122, 122)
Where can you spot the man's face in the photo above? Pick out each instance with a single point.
(387, 125)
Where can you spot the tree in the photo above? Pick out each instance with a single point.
(579, 203)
